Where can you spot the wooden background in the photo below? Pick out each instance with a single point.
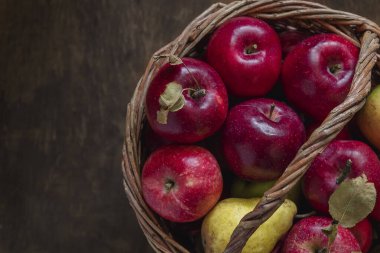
(67, 72)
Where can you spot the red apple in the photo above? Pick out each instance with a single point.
(205, 107)
(363, 234)
(260, 138)
(246, 52)
(320, 181)
(343, 135)
(290, 39)
(181, 183)
(317, 73)
(306, 236)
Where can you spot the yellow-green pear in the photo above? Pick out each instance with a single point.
(219, 224)
(369, 118)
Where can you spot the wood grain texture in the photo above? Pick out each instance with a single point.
(67, 70)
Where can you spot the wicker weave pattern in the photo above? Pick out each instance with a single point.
(314, 17)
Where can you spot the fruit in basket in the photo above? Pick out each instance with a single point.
(351, 157)
(363, 234)
(181, 183)
(369, 118)
(317, 73)
(255, 189)
(307, 236)
(260, 138)
(219, 224)
(246, 52)
(250, 189)
(290, 39)
(186, 102)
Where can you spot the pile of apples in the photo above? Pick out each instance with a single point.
(228, 122)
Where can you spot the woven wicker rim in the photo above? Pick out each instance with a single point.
(307, 15)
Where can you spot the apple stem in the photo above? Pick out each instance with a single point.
(334, 68)
(169, 184)
(345, 172)
(192, 76)
(251, 49)
(195, 93)
(272, 107)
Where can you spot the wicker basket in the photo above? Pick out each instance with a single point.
(282, 14)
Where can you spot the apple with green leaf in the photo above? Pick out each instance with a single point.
(186, 101)
(349, 204)
(340, 159)
(307, 236)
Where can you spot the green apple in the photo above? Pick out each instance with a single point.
(253, 189)
(369, 118)
(219, 224)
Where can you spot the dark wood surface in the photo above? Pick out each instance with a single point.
(67, 71)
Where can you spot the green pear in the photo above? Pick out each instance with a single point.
(252, 189)
(219, 224)
(369, 118)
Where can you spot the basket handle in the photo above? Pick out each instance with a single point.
(330, 128)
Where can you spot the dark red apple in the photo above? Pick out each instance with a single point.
(317, 73)
(320, 181)
(290, 39)
(306, 236)
(343, 135)
(181, 183)
(363, 234)
(246, 52)
(260, 138)
(205, 107)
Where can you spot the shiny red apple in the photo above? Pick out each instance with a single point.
(246, 52)
(320, 181)
(306, 236)
(260, 138)
(363, 234)
(205, 102)
(181, 183)
(317, 73)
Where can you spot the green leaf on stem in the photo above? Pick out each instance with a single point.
(352, 201)
(171, 100)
